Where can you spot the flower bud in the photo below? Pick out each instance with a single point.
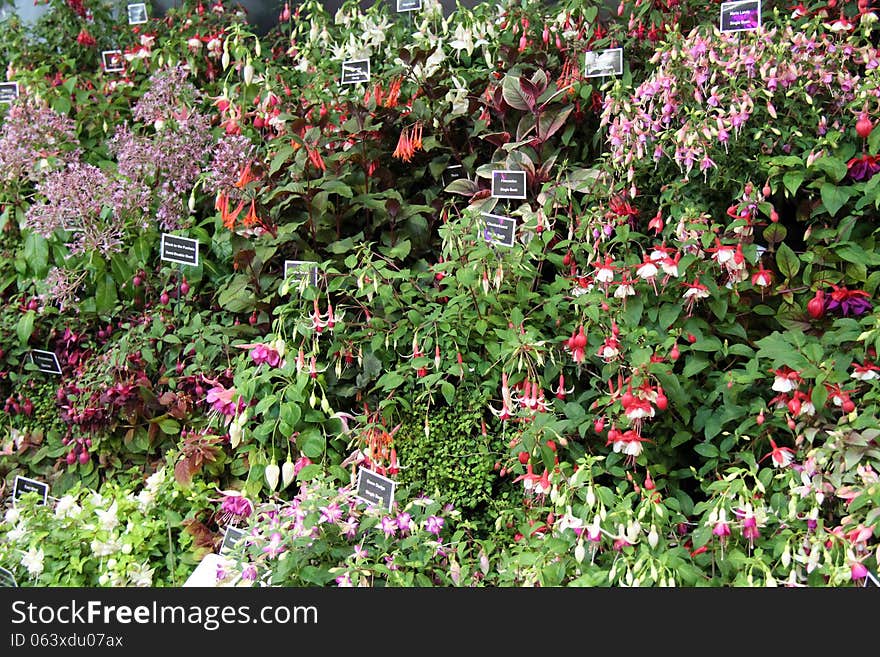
(288, 472)
(653, 537)
(580, 552)
(273, 472)
(248, 73)
(224, 60)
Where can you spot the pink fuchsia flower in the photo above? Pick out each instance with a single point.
(349, 527)
(721, 528)
(858, 571)
(344, 581)
(750, 529)
(433, 525)
(404, 522)
(331, 513)
(236, 504)
(221, 400)
(388, 525)
(359, 552)
(274, 548)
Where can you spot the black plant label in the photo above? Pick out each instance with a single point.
(46, 361)
(375, 489)
(740, 16)
(231, 537)
(180, 250)
(137, 13)
(509, 184)
(409, 5)
(24, 485)
(499, 230)
(355, 71)
(8, 92)
(601, 63)
(297, 270)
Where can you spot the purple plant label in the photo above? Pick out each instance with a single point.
(602, 63)
(374, 489)
(46, 361)
(453, 172)
(409, 5)
(180, 250)
(499, 230)
(8, 92)
(7, 579)
(509, 184)
(740, 16)
(137, 13)
(297, 270)
(355, 71)
(24, 485)
(112, 61)
(231, 537)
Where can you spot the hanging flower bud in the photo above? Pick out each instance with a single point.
(248, 73)
(273, 472)
(288, 472)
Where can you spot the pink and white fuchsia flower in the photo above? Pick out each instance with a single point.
(785, 379)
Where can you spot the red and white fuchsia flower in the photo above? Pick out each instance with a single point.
(785, 379)
(781, 456)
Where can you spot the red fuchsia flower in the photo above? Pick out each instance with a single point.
(847, 302)
(656, 224)
(781, 456)
(865, 372)
(694, 292)
(504, 413)
(560, 390)
(576, 344)
(627, 442)
(864, 167)
(647, 271)
(840, 397)
(762, 278)
(609, 349)
(605, 272)
(786, 379)
(85, 39)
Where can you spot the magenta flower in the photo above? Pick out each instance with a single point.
(221, 400)
(389, 526)
(237, 505)
(263, 354)
(331, 513)
(858, 571)
(274, 548)
(847, 302)
(433, 525)
(404, 522)
(359, 552)
(349, 527)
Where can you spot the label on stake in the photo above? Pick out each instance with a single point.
(499, 230)
(231, 537)
(24, 485)
(112, 61)
(297, 270)
(46, 361)
(355, 71)
(509, 184)
(137, 13)
(375, 489)
(741, 16)
(601, 63)
(8, 92)
(180, 250)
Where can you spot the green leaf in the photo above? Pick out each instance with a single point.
(551, 122)
(834, 167)
(312, 443)
(105, 294)
(792, 180)
(390, 380)
(448, 391)
(462, 186)
(787, 261)
(25, 327)
(309, 472)
(280, 158)
(669, 312)
(706, 449)
(834, 197)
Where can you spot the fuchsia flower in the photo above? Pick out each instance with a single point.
(221, 400)
(433, 525)
(847, 302)
(864, 167)
(236, 504)
(388, 525)
(404, 522)
(274, 548)
(781, 456)
(786, 379)
(331, 513)
(858, 571)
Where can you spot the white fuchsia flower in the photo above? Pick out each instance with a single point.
(33, 561)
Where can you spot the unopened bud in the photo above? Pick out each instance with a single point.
(273, 472)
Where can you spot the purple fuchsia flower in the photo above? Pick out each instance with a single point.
(848, 302)
(359, 552)
(433, 525)
(864, 167)
(349, 527)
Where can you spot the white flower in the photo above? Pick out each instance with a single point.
(155, 480)
(14, 535)
(145, 498)
(108, 518)
(33, 561)
(104, 549)
(140, 575)
(12, 516)
(67, 507)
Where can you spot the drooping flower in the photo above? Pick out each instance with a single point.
(331, 513)
(388, 526)
(433, 524)
(781, 456)
(33, 561)
(274, 548)
(863, 168)
(847, 302)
